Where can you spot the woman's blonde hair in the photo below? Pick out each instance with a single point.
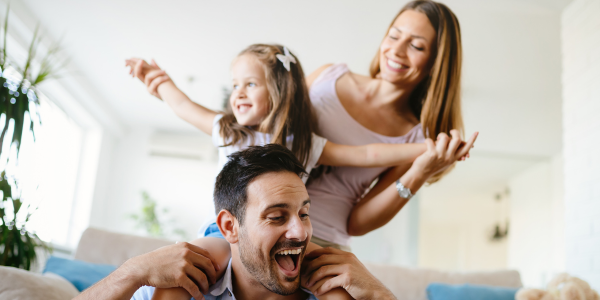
(436, 100)
(291, 111)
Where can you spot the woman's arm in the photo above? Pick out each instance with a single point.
(160, 85)
(220, 252)
(370, 156)
(382, 203)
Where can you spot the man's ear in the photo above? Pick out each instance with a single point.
(228, 225)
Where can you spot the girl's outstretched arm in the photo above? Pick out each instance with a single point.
(382, 203)
(221, 253)
(160, 85)
(370, 156)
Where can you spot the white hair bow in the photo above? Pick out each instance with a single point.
(286, 59)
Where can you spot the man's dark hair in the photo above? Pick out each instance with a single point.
(243, 166)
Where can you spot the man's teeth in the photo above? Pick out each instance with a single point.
(287, 252)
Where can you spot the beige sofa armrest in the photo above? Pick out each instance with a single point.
(105, 247)
(17, 284)
(411, 283)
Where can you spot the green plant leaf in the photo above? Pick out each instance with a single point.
(17, 205)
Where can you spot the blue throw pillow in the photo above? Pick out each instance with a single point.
(80, 273)
(440, 291)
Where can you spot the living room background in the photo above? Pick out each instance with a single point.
(514, 59)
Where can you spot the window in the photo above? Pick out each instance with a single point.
(47, 171)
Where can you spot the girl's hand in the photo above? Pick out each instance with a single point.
(150, 74)
(139, 67)
(443, 153)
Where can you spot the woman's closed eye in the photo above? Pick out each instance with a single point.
(418, 48)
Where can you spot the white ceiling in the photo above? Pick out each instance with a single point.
(511, 54)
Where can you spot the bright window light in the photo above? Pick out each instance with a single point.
(47, 170)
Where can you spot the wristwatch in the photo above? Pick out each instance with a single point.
(403, 191)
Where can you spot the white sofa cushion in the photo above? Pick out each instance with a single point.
(19, 284)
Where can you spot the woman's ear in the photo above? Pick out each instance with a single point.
(228, 225)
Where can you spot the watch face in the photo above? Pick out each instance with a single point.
(404, 194)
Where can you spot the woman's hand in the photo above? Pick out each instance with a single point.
(443, 153)
(150, 74)
(345, 271)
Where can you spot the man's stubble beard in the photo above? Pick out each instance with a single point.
(263, 271)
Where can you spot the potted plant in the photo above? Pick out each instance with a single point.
(18, 96)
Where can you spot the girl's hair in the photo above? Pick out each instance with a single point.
(436, 100)
(291, 111)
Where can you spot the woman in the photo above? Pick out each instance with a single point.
(413, 93)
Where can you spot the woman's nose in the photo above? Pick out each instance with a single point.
(399, 49)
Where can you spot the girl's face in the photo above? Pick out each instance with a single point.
(250, 97)
(406, 50)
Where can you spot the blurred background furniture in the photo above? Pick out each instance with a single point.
(104, 247)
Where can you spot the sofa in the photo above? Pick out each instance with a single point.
(104, 247)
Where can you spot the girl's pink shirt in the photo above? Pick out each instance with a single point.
(334, 194)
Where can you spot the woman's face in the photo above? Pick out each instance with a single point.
(405, 51)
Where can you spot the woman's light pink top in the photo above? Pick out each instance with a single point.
(334, 194)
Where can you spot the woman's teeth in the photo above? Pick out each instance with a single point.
(287, 252)
(394, 65)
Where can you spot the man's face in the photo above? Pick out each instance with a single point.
(276, 231)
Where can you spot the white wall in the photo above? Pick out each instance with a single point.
(395, 243)
(184, 186)
(456, 230)
(581, 137)
(536, 240)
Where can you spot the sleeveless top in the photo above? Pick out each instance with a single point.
(334, 194)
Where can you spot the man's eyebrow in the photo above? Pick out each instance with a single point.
(285, 205)
(414, 36)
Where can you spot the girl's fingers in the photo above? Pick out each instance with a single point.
(139, 70)
(153, 63)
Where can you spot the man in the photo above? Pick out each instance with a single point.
(264, 215)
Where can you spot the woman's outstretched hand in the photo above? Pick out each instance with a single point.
(444, 152)
(149, 73)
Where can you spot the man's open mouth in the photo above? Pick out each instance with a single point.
(287, 259)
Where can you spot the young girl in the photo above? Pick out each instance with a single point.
(269, 104)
